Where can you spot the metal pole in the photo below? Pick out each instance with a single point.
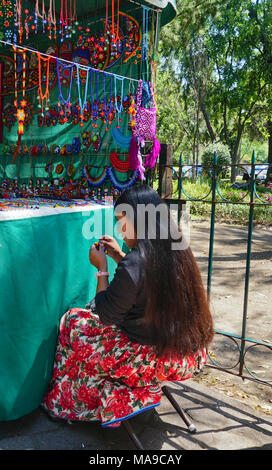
(148, 177)
(179, 187)
(212, 225)
(249, 244)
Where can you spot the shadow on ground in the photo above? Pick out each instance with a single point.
(222, 424)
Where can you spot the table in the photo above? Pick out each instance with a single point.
(44, 271)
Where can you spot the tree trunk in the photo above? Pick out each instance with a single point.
(165, 171)
(194, 160)
(234, 155)
(207, 120)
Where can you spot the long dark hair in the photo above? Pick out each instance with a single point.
(177, 309)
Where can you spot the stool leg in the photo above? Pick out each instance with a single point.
(190, 425)
(132, 435)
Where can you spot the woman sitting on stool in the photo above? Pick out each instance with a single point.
(151, 324)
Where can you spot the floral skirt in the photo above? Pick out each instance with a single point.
(100, 375)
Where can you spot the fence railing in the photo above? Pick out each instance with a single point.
(241, 344)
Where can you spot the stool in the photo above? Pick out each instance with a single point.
(191, 427)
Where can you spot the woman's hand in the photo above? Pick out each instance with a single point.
(112, 247)
(98, 258)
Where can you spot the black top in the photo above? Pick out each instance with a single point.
(123, 302)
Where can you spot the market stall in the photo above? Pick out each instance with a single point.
(75, 79)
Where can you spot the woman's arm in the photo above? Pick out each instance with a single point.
(113, 303)
(119, 256)
(102, 281)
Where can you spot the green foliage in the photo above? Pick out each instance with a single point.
(214, 75)
(225, 212)
(223, 158)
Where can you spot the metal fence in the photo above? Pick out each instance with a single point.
(241, 344)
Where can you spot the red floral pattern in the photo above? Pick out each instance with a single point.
(100, 375)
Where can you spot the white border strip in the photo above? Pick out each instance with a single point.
(15, 214)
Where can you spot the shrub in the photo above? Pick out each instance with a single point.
(223, 158)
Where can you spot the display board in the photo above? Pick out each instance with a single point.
(76, 70)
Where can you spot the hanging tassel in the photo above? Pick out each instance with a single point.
(133, 154)
(153, 155)
(17, 147)
(135, 159)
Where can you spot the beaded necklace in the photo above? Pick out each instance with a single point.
(23, 103)
(117, 39)
(112, 23)
(105, 102)
(145, 33)
(118, 164)
(43, 96)
(63, 22)
(122, 184)
(66, 102)
(18, 18)
(52, 19)
(82, 105)
(94, 107)
(92, 110)
(119, 108)
(94, 181)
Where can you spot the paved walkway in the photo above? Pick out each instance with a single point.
(222, 423)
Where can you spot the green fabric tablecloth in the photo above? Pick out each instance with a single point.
(44, 271)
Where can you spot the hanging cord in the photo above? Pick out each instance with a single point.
(107, 15)
(83, 67)
(112, 26)
(118, 20)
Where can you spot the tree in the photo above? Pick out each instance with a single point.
(220, 52)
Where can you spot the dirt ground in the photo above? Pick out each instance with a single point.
(227, 304)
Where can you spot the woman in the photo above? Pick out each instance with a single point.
(151, 324)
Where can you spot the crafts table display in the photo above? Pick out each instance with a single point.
(45, 270)
(79, 125)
